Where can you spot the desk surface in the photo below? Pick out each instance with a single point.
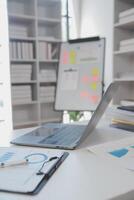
(84, 176)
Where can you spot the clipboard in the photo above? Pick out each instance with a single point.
(27, 180)
(52, 170)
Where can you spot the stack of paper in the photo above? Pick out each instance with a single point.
(126, 16)
(21, 72)
(45, 51)
(21, 94)
(126, 45)
(121, 117)
(127, 102)
(18, 30)
(48, 51)
(47, 93)
(47, 75)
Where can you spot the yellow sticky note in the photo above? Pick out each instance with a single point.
(93, 86)
(72, 57)
(95, 71)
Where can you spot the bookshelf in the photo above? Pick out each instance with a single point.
(123, 55)
(35, 36)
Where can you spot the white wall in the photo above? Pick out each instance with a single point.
(97, 19)
(5, 97)
(75, 11)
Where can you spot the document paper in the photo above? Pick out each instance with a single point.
(23, 178)
(120, 152)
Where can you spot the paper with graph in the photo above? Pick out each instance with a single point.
(120, 152)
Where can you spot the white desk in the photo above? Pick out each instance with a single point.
(83, 176)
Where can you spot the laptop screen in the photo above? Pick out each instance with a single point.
(111, 91)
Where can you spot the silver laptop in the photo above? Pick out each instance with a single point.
(68, 136)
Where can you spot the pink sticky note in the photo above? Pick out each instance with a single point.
(85, 79)
(94, 99)
(65, 57)
(94, 78)
(84, 94)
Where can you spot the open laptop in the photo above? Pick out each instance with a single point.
(68, 136)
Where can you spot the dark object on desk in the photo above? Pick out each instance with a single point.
(126, 108)
(123, 126)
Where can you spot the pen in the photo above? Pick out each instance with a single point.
(14, 163)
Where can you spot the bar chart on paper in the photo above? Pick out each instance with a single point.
(80, 75)
(120, 152)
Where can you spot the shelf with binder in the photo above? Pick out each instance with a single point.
(123, 50)
(25, 103)
(25, 114)
(49, 31)
(50, 65)
(49, 9)
(21, 18)
(124, 66)
(123, 40)
(29, 39)
(48, 113)
(30, 23)
(23, 61)
(50, 120)
(125, 92)
(124, 79)
(123, 9)
(21, 7)
(24, 82)
(47, 100)
(23, 73)
(21, 28)
(128, 25)
(48, 21)
(47, 93)
(49, 39)
(48, 82)
(23, 93)
(48, 51)
(47, 75)
(22, 50)
(25, 124)
(49, 61)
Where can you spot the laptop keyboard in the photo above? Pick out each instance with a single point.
(65, 136)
